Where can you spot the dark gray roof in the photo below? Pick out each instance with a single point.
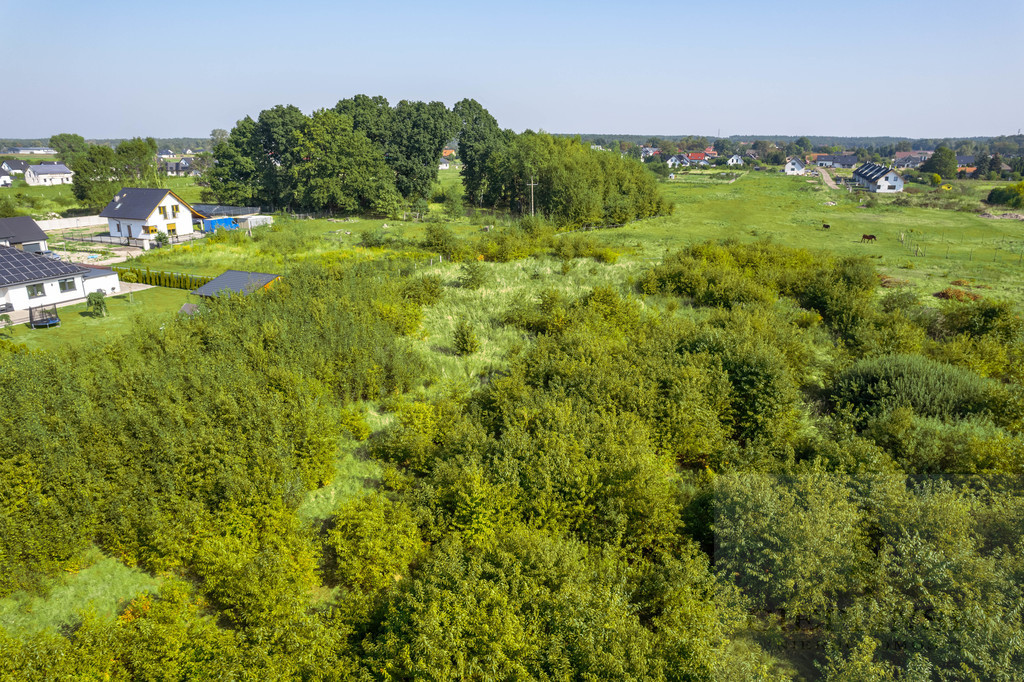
(137, 203)
(97, 272)
(19, 267)
(16, 164)
(965, 160)
(50, 169)
(871, 172)
(20, 230)
(235, 281)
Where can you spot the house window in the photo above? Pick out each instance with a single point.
(174, 211)
(150, 229)
(163, 212)
(66, 285)
(35, 290)
(172, 229)
(119, 228)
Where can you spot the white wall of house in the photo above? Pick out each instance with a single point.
(735, 160)
(35, 180)
(179, 222)
(107, 283)
(18, 294)
(890, 183)
(794, 167)
(6, 181)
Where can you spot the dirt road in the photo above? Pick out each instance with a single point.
(827, 178)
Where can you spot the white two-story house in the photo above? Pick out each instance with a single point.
(143, 213)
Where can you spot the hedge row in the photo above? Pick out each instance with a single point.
(159, 278)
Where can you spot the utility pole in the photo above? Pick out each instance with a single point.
(532, 185)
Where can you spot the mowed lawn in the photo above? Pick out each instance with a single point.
(79, 326)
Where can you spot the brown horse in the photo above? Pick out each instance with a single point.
(868, 238)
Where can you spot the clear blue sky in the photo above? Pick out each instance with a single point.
(115, 68)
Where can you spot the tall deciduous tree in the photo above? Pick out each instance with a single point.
(479, 137)
(68, 146)
(233, 179)
(340, 169)
(100, 171)
(943, 162)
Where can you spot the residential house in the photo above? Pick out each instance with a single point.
(646, 152)
(678, 160)
(876, 178)
(165, 154)
(735, 160)
(236, 282)
(794, 167)
(22, 233)
(443, 165)
(836, 161)
(696, 156)
(28, 280)
(48, 174)
(184, 167)
(14, 166)
(964, 162)
(5, 179)
(447, 152)
(911, 159)
(138, 213)
(710, 153)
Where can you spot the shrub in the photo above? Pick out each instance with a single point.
(370, 544)
(425, 290)
(473, 275)
(932, 389)
(465, 339)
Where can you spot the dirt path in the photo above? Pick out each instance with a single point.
(828, 178)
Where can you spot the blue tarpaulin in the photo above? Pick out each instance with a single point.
(211, 224)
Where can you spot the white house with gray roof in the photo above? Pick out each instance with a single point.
(143, 213)
(794, 167)
(48, 174)
(876, 178)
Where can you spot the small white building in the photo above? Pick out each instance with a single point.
(28, 280)
(48, 174)
(877, 178)
(735, 160)
(444, 165)
(143, 213)
(794, 167)
(5, 179)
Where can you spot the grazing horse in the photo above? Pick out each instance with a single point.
(825, 226)
(868, 238)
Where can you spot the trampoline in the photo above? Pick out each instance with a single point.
(43, 317)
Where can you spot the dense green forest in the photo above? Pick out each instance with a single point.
(745, 463)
